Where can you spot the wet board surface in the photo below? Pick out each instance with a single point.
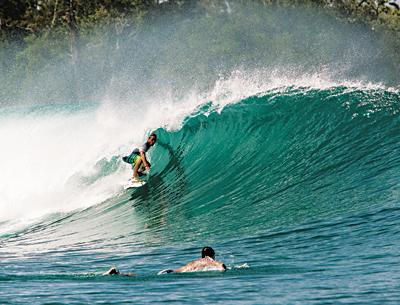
(134, 184)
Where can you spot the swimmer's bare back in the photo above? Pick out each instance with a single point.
(203, 264)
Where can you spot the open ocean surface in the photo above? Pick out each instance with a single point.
(296, 188)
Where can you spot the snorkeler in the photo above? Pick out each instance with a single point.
(138, 158)
(207, 262)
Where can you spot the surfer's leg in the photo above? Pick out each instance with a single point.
(141, 170)
(138, 162)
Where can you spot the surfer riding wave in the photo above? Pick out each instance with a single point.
(138, 159)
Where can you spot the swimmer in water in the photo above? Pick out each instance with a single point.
(207, 262)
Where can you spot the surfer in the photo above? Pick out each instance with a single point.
(138, 158)
(207, 262)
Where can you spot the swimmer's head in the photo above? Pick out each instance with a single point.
(207, 251)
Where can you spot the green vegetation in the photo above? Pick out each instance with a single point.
(22, 18)
(58, 45)
(36, 34)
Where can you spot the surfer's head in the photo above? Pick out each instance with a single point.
(152, 139)
(207, 251)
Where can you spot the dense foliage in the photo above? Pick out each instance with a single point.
(61, 43)
(21, 18)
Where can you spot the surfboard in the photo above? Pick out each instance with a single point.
(134, 184)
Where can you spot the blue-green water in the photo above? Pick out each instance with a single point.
(297, 190)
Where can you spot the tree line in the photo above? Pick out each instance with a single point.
(21, 18)
(51, 49)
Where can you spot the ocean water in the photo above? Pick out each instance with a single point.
(297, 188)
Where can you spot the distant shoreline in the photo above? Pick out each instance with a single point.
(39, 19)
(74, 50)
(384, 15)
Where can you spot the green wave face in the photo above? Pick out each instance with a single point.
(268, 162)
(277, 160)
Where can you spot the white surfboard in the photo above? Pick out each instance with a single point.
(134, 184)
